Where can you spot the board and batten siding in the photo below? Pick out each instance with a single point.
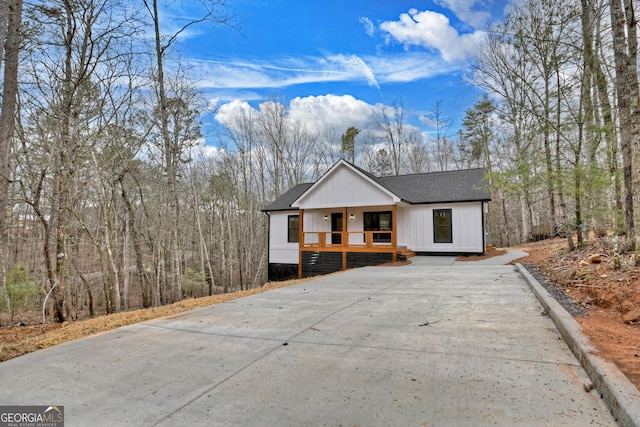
(415, 228)
(345, 188)
(281, 251)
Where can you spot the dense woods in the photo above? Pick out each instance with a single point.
(111, 200)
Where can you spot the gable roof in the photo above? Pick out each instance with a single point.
(465, 185)
(361, 184)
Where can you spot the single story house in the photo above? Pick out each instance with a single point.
(350, 218)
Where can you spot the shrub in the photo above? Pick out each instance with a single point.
(21, 293)
(194, 283)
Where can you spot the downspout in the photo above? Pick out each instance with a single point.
(300, 240)
(394, 231)
(345, 238)
(268, 246)
(484, 233)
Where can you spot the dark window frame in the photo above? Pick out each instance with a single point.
(442, 226)
(293, 238)
(337, 224)
(372, 223)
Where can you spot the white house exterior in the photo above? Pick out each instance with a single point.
(350, 218)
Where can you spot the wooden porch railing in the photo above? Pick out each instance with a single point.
(354, 239)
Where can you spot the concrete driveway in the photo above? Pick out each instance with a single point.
(435, 343)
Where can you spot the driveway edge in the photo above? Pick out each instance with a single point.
(619, 394)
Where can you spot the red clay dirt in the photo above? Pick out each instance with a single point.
(607, 294)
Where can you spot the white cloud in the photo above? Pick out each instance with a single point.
(330, 112)
(368, 25)
(202, 150)
(428, 121)
(243, 79)
(210, 151)
(245, 74)
(213, 103)
(464, 10)
(317, 113)
(229, 94)
(434, 31)
(355, 64)
(410, 66)
(226, 112)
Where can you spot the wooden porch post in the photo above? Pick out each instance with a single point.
(300, 240)
(344, 238)
(394, 231)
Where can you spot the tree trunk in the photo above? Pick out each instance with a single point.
(145, 282)
(623, 91)
(632, 81)
(612, 146)
(550, 177)
(125, 265)
(206, 259)
(10, 19)
(65, 173)
(564, 221)
(171, 159)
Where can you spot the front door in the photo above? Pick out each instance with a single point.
(336, 226)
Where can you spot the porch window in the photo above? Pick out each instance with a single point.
(293, 228)
(442, 226)
(378, 221)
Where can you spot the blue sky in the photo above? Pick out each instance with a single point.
(332, 61)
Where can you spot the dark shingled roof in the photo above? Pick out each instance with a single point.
(434, 187)
(283, 203)
(438, 187)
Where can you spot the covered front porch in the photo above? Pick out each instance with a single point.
(340, 238)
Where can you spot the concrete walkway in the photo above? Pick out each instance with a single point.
(435, 343)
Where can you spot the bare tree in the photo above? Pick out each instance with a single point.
(390, 121)
(417, 155)
(68, 55)
(444, 152)
(273, 130)
(168, 107)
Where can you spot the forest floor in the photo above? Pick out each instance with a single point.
(609, 300)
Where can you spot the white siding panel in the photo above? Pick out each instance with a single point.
(417, 229)
(313, 221)
(280, 251)
(345, 188)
